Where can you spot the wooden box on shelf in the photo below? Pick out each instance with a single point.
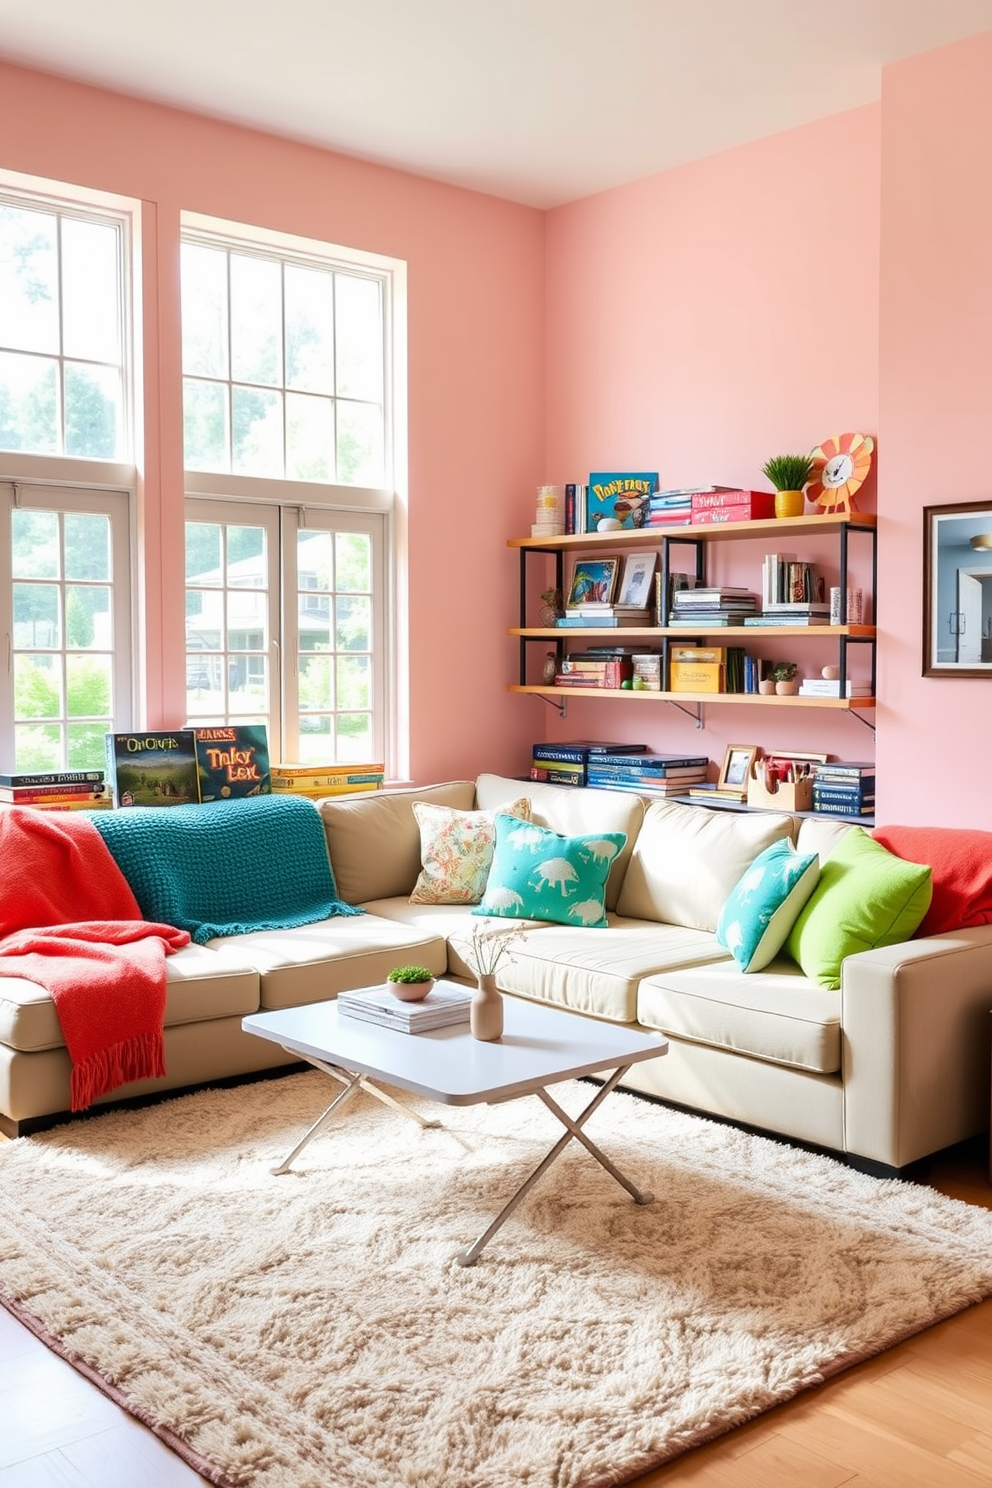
(787, 795)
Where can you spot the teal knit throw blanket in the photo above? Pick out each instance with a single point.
(228, 867)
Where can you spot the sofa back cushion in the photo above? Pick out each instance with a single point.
(573, 811)
(374, 839)
(687, 859)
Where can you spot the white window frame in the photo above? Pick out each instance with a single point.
(117, 503)
(306, 499)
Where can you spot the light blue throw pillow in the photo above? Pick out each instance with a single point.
(540, 875)
(765, 903)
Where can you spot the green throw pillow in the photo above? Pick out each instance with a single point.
(763, 905)
(866, 897)
(540, 875)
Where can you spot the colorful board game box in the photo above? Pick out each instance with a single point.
(154, 768)
(233, 761)
(621, 495)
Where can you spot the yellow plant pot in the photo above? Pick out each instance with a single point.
(789, 503)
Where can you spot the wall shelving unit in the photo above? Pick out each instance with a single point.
(698, 539)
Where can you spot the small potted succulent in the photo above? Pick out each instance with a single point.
(790, 475)
(785, 679)
(410, 983)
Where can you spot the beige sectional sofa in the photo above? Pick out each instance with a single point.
(889, 1068)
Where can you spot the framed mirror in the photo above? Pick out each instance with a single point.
(957, 590)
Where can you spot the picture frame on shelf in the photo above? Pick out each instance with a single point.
(735, 771)
(592, 581)
(957, 589)
(637, 582)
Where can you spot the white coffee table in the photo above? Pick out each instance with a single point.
(540, 1046)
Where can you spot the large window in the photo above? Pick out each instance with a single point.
(66, 477)
(61, 331)
(290, 428)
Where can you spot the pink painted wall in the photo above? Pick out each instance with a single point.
(936, 395)
(700, 321)
(476, 365)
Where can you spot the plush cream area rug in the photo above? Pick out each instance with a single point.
(313, 1331)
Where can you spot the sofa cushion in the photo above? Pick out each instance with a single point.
(201, 983)
(820, 835)
(687, 859)
(318, 961)
(456, 851)
(374, 840)
(595, 971)
(777, 1015)
(866, 897)
(573, 811)
(538, 874)
(764, 904)
(961, 859)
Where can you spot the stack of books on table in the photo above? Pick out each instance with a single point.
(829, 688)
(647, 774)
(587, 615)
(444, 1004)
(566, 764)
(844, 788)
(315, 781)
(705, 608)
(56, 790)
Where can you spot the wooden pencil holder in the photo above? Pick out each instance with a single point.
(789, 795)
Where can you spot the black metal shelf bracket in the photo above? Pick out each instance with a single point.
(697, 716)
(560, 705)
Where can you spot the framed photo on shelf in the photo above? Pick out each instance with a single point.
(593, 581)
(736, 770)
(957, 573)
(636, 584)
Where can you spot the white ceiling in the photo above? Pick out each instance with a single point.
(540, 101)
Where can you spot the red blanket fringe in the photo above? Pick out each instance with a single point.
(70, 923)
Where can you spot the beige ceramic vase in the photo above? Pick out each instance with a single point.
(486, 1010)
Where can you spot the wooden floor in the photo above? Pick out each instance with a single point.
(918, 1416)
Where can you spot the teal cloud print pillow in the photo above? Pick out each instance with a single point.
(765, 903)
(540, 875)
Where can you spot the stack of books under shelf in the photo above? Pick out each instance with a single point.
(56, 790)
(647, 774)
(444, 1005)
(844, 788)
(567, 763)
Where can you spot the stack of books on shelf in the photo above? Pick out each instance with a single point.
(647, 774)
(703, 608)
(729, 794)
(593, 668)
(56, 790)
(585, 616)
(826, 687)
(785, 580)
(669, 509)
(811, 613)
(444, 1004)
(566, 764)
(730, 504)
(315, 781)
(575, 507)
(676, 581)
(844, 788)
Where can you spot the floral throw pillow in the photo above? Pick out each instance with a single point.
(456, 850)
(540, 875)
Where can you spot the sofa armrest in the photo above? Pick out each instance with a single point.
(915, 1022)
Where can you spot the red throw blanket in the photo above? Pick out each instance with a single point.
(70, 923)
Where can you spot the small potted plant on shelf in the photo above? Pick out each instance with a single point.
(552, 605)
(410, 983)
(784, 677)
(790, 475)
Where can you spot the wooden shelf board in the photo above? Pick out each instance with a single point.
(641, 537)
(757, 699)
(686, 632)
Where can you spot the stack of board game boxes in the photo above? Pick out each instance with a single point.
(181, 767)
(316, 780)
